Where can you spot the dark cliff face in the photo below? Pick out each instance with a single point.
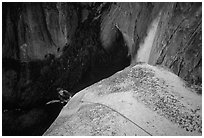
(52, 46)
(32, 30)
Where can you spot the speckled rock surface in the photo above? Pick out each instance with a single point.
(140, 100)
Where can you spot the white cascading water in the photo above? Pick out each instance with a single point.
(143, 53)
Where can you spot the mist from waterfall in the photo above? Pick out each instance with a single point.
(145, 48)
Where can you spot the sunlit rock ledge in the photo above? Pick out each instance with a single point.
(139, 100)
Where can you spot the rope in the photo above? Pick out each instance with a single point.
(122, 116)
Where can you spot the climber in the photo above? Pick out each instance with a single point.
(63, 95)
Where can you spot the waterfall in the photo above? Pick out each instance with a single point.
(145, 48)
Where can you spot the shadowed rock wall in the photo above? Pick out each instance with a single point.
(62, 51)
(37, 29)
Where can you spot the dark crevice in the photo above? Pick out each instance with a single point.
(45, 25)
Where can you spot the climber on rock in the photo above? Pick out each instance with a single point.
(64, 96)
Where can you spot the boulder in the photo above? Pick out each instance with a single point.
(140, 100)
